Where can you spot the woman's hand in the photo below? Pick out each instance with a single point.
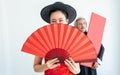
(52, 63)
(73, 67)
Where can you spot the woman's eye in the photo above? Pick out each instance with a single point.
(61, 20)
(53, 21)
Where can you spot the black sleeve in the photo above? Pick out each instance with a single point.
(100, 55)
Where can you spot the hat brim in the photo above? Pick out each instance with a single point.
(45, 12)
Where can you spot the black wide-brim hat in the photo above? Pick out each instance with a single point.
(71, 12)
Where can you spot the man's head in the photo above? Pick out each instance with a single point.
(81, 24)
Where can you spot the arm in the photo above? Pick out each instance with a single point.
(39, 67)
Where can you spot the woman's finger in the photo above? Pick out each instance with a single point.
(53, 61)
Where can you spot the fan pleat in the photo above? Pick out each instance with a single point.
(81, 42)
(71, 38)
(40, 38)
(84, 48)
(33, 41)
(50, 35)
(33, 50)
(45, 37)
(60, 35)
(85, 56)
(66, 35)
(76, 42)
(55, 31)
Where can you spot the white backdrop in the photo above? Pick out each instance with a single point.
(19, 18)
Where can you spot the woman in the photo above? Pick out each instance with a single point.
(54, 14)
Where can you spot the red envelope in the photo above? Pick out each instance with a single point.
(95, 32)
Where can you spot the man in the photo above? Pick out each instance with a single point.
(81, 24)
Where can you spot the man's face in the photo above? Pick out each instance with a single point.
(58, 17)
(81, 24)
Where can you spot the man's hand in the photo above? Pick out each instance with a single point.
(95, 66)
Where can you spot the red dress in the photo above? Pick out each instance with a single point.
(60, 70)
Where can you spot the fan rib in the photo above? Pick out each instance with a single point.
(50, 34)
(28, 47)
(45, 39)
(33, 41)
(40, 39)
(76, 42)
(71, 37)
(61, 33)
(87, 51)
(83, 47)
(55, 27)
(81, 43)
(67, 33)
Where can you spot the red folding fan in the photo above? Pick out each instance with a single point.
(95, 32)
(61, 41)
